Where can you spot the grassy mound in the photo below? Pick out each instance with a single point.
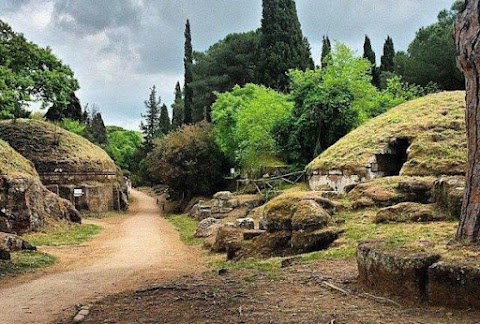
(13, 164)
(49, 147)
(434, 125)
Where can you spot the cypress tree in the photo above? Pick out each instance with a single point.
(282, 45)
(369, 54)
(326, 50)
(164, 123)
(150, 126)
(177, 108)
(188, 65)
(388, 57)
(96, 129)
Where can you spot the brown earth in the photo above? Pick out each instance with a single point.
(132, 251)
(297, 294)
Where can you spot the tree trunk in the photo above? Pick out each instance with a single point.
(467, 36)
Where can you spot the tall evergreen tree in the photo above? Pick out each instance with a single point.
(282, 45)
(177, 108)
(73, 110)
(187, 87)
(388, 56)
(96, 130)
(164, 123)
(369, 54)
(149, 128)
(326, 50)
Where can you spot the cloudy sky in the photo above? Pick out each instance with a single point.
(118, 49)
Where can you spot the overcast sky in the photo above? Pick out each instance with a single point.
(118, 49)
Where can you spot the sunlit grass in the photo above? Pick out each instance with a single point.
(64, 234)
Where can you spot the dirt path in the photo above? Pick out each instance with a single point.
(133, 251)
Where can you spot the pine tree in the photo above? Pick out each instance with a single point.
(152, 117)
(177, 108)
(326, 50)
(282, 45)
(388, 57)
(188, 65)
(369, 54)
(73, 110)
(164, 125)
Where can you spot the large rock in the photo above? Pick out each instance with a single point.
(397, 272)
(304, 242)
(12, 243)
(223, 195)
(294, 215)
(448, 194)
(207, 227)
(266, 245)
(408, 212)
(384, 192)
(454, 284)
(245, 223)
(227, 239)
(309, 215)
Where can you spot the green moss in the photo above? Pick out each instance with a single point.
(63, 234)
(434, 124)
(25, 261)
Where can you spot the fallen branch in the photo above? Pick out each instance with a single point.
(332, 286)
(381, 299)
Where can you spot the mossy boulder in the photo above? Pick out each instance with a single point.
(295, 211)
(383, 192)
(408, 212)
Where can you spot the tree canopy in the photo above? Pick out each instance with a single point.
(243, 120)
(30, 73)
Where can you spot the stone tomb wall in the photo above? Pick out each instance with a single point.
(100, 193)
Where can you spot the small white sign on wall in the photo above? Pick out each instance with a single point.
(78, 192)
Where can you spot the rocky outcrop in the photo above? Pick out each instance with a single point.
(13, 243)
(448, 194)
(26, 205)
(223, 204)
(397, 272)
(389, 191)
(454, 284)
(207, 227)
(408, 212)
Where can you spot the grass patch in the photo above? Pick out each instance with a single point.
(64, 234)
(186, 226)
(25, 261)
(263, 265)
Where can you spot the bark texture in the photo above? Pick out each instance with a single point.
(467, 36)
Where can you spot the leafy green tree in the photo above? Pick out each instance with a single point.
(243, 119)
(123, 146)
(188, 160)
(328, 103)
(369, 54)
(29, 73)
(388, 56)
(231, 61)
(431, 57)
(326, 50)
(282, 45)
(150, 126)
(74, 126)
(177, 108)
(164, 122)
(187, 87)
